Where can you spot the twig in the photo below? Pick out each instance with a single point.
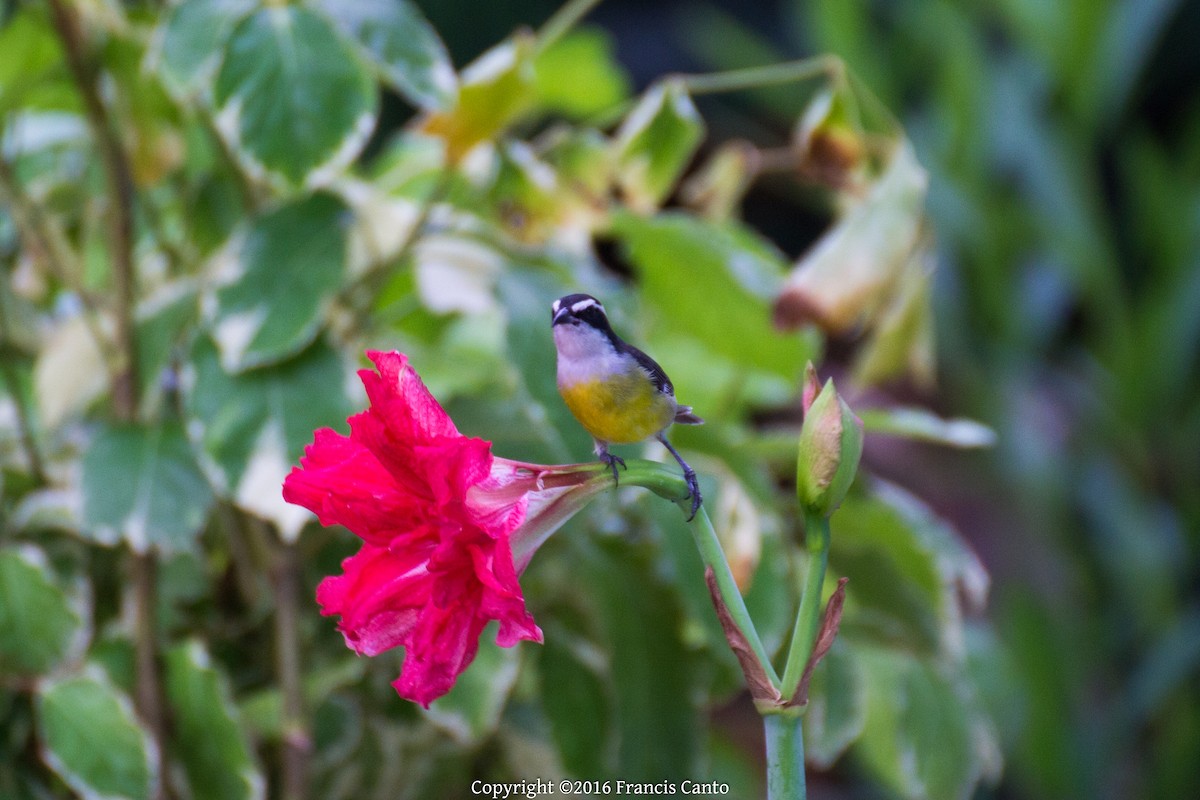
(24, 425)
(148, 691)
(736, 80)
(121, 203)
(120, 219)
(297, 741)
(563, 20)
(245, 186)
(41, 233)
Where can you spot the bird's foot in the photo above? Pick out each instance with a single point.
(693, 485)
(612, 462)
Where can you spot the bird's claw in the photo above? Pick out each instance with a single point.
(612, 461)
(693, 492)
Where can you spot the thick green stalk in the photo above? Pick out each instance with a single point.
(809, 617)
(670, 484)
(785, 757)
(714, 556)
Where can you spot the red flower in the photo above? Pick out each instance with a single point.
(446, 529)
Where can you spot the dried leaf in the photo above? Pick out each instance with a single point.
(825, 637)
(761, 688)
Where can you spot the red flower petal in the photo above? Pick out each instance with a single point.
(413, 437)
(433, 569)
(344, 484)
(445, 642)
(379, 597)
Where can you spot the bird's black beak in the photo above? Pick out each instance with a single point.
(560, 315)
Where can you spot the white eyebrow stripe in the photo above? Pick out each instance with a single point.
(557, 305)
(582, 304)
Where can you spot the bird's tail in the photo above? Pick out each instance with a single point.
(684, 416)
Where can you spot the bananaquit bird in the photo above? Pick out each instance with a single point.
(617, 392)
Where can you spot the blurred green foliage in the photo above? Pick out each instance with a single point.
(205, 224)
(1063, 144)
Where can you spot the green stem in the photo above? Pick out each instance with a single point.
(785, 757)
(816, 528)
(563, 21)
(737, 80)
(667, 483)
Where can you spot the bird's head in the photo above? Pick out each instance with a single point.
(581, 327)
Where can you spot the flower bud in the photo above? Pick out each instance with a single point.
(831, 442)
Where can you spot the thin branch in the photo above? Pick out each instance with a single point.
(826, 66)
(41, 233)
(28, 440)
(563, 20)
(245, 186)
(244, 565)
(148, 691)
(120, 204)
(120, 218)
(297, 740)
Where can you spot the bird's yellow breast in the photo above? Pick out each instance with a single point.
(619, 409)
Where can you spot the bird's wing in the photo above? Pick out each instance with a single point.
(661, 381)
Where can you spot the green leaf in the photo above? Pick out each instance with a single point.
(578, 76)
(655, 143)
(141, 485)
(924, 737)
(292, 96)
(573, 690)
(39, 622)
(92, 740)
(837, 706)
(190, 41)
(657, 722)
(300, 246)
(913, 422)
(582, 159)
(337, 729)
(254, 426)
(401, 43)
(32, 73)
(21, 333)
(684, 263)
(162, 322)
(116, 655)
(471, 710)
(907, 570)
(496, 89)
(206, 735)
